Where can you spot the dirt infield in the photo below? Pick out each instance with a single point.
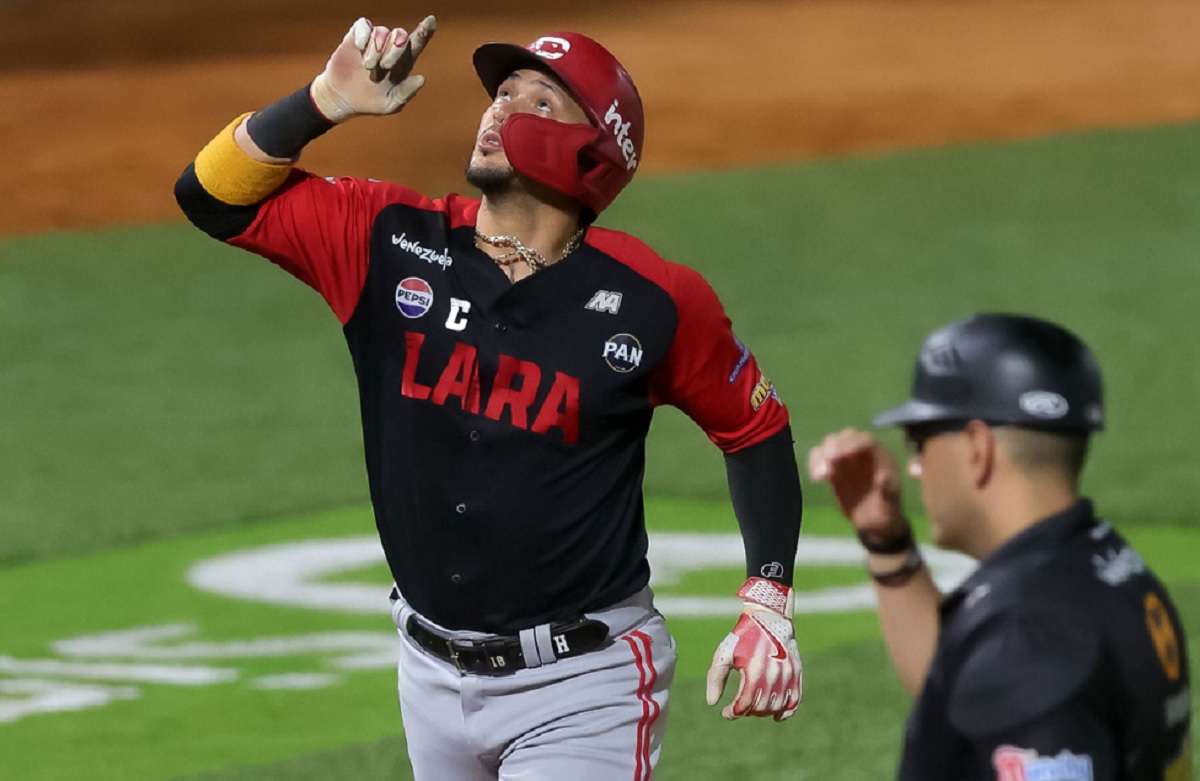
(102, 102)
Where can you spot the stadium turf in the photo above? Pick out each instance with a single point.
(167, 399)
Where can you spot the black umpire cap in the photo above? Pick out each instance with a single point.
(1005, 370)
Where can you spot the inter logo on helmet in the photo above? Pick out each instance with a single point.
(414, 297)
(550, 48)
(620, 129)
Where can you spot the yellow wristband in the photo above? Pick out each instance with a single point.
(232, 176)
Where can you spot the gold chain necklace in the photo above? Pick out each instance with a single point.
(532, 257)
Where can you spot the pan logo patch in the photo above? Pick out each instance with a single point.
(414, 297)
(623, 353)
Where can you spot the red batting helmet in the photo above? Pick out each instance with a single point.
(593, 163)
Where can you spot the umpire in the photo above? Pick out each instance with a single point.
(1061, 657)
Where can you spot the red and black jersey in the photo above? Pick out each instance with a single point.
(504, 424)
(1061, 657)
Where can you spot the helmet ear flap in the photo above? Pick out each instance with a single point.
(601, 176)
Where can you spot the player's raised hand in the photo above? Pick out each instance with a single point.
(865, 478)
(370, 72)
(762, 648)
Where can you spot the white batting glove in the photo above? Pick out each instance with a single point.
(369, 72)
(762, 648)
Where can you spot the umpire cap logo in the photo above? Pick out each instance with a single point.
(550, 48)
(938, 356)
(1046, 405)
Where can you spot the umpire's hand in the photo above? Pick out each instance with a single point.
(370, 72)
(865, 478)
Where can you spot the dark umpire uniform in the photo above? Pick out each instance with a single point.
(1061, 658)
(1062, 638)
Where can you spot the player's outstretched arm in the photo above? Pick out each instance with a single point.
(866, 482)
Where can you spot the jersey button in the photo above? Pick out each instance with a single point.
(460, 508)
(475, 436)
(501, 327)
(456, 578)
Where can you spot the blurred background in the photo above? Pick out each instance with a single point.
(105, 100)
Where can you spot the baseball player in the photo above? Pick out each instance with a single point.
(1061, 657)
(509, 356)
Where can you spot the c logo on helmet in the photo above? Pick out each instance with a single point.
(550, 48)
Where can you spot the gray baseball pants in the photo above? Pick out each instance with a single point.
(595, 717)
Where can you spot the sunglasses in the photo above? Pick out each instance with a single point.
(915, 436)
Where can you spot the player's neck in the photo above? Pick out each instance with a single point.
(547, 227)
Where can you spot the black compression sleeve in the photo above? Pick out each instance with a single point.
(764, 486)
(283, 128)
(220, 220)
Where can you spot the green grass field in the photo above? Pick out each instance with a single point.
(167, 400)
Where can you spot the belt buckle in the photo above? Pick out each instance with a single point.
(453, 654)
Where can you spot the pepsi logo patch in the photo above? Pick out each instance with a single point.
(623, 352)
(414, 297)
(549, 47)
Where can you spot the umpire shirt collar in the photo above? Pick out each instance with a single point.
(1042, 538)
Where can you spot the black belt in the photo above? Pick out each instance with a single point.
(502, 654)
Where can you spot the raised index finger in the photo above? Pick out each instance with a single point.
(416, 44)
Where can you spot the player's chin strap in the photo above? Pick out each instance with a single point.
(762, 648)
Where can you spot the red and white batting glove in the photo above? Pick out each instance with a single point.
(762, 648)
(369, 72)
